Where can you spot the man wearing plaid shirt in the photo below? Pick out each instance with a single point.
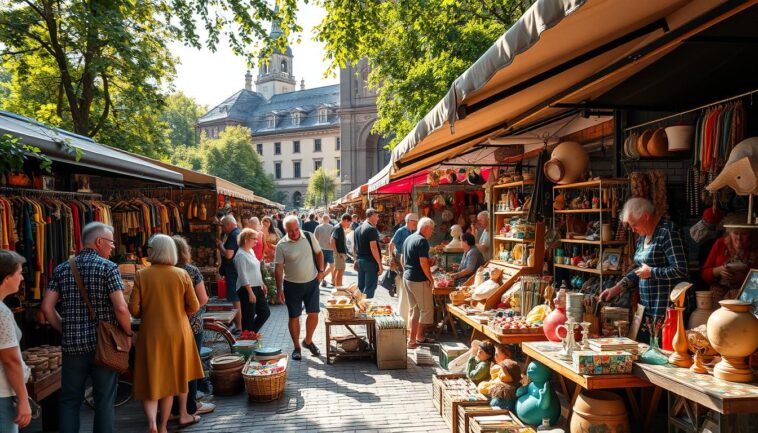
(104, 286)
(660, 262)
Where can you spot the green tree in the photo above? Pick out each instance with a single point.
(321, 188)
(231, 157)
(180, 115)
(100, 67)
(415, 49)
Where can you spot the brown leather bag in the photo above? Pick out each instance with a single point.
(112, 350)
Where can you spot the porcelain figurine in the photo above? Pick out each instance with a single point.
(538, 400)
(455, 245)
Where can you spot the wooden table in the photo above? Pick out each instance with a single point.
(477, 327)
(224, 316)
(335, 352)
(442, 315)
(547, 354)
(688, 391)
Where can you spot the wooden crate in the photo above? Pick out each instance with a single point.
(438, 386)
(391, 349)
(465, 413)
(451, 400)
(514, 426)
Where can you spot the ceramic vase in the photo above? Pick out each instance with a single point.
(681, 356)
(552, 321)
(669, 328)
(733, 332)
(600, 411)
(704, 309)
(567, 163)
(653, 355)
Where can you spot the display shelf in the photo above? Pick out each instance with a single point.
(514, 184)
(581, 211)
(511, 265)
(597, 243)
(511, 212)
(593, 184)
(517, 240)
(588, 270)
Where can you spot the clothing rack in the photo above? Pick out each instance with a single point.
(40, 192)
(692, 110)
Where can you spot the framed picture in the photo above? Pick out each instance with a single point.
(48, 183)
(611, 260)
(81, 183)
(749, 291)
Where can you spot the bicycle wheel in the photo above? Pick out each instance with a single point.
(217, 342)
(123, 394)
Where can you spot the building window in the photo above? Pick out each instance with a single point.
(284, 66)
(264, 69)
(322, 115)
(277, 170)
(296, 169)
(272, 121)
(259, 148)
(296, 118)
(338, 166)
(277, 148)
(296, 146)
(316, 164)
(317, 145)
(337, 144)
(297, 199)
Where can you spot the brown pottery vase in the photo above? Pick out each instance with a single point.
(733, 332)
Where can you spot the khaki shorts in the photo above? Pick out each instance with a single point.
(420, 301)
(339, 261)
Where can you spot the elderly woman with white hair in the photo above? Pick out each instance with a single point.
(166, 358)
(659, 259)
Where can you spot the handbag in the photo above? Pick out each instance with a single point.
(388, 279)
(112, 349)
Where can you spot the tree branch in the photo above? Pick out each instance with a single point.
(106, 109)
(13, 53)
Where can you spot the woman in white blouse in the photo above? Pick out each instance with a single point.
(13, 371)
(250, 287)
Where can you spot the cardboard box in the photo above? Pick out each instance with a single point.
(391, 352)
(607, 362)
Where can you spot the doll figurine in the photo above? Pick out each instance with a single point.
(503, 390)
(538, 400)
(478, 366)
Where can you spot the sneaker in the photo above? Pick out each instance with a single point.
(296, 355)
(312, 347)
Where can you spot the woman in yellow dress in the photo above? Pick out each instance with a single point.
(166, 358)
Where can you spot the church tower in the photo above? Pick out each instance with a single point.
(276, 77)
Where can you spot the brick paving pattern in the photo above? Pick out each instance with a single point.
(347, 396)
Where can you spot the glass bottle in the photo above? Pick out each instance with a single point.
(653, 354)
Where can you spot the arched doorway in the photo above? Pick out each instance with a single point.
(297, 199)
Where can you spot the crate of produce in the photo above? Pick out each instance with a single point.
(465, 413)
(265, 380)
(438, 385)
(459, 393)
(391, 349)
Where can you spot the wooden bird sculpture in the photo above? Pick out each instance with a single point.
(741, 169)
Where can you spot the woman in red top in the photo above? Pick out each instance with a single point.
(730, 259)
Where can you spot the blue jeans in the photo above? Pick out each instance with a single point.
(7, 415)
(74, 373)
(368, 276)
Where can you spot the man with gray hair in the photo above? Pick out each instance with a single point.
(228, 249)
(396, 251)
(418, 280)
(104, 286)
(483, 222)
(323, 234)
(367, 251)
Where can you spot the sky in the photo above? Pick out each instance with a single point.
(212, 77)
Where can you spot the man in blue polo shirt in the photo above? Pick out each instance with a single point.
(396, 250)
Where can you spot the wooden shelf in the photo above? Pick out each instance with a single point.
(511, 265)
(521, 241)
(514, 184)
(594, 183)
(588, 270)
(598, 243)
(581, 211)
(511, 212)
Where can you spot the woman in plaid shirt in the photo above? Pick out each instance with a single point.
(660, 261)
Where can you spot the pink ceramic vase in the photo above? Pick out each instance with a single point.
(551, 322)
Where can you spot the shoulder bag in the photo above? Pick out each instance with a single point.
(313, 251)
(112, 349)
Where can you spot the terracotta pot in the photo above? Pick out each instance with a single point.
(658, 144)
(733, 332)
(567, 163)
(600, 411)
(679, 137)
(551, 322)
(704, 309)
(642, 142)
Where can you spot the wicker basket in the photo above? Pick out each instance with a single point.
(226, 374)
(266, 388)
(336, 314)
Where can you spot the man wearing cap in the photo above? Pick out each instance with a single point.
(367, 252)
(396, 251)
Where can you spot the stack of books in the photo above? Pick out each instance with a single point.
(614, 344)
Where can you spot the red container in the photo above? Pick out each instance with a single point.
(221, 287)
(669, 328)
(555, 318)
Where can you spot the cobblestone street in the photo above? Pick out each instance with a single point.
(347, 396)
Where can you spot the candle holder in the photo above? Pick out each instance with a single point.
(569, 343)
(585, 335)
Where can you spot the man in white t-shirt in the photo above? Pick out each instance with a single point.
(323, 234)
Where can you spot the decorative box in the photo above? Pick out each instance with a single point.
(606, 362)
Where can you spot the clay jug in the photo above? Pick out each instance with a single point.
(704, 309)
(552, 321)
(733, 332)
(567, 163)
(599, 411)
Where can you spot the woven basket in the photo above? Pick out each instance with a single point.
(266, 388)
(338, 314)
(226, 374)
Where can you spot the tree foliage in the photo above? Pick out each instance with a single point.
(231, 157)
(415, 49)
(322, 187)
(180, 115)
(100, 68)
